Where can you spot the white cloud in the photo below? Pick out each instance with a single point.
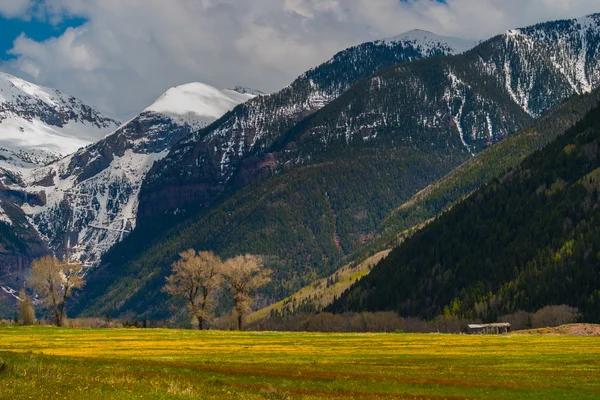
(15, 8)
(131, 51)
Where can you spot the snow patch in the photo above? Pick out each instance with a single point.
(4, 217)
(198, 103)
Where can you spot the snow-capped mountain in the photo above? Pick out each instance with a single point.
(91, 197)
(209, 157)
(39, 124)
(465, 103)
(198, 104)
(468, 101)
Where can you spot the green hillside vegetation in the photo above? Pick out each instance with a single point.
(304, 223)
(439, 197)
(311, 221)
(522, 242)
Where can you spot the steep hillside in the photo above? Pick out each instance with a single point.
(204, 163)
(527, 240)
(19, 242)
(482, 168)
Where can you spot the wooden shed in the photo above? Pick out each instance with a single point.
(490, 329)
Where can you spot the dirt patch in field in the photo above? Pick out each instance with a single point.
(566, 330)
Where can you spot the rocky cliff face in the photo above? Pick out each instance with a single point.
(91, 197)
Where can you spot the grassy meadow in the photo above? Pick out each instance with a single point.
(53, 363)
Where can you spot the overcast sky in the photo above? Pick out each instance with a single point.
(120, 55)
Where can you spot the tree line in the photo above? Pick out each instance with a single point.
(389, 321)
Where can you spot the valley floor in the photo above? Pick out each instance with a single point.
(52, 363)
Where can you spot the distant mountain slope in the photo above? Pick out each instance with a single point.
(91, 197)
(201, 166)
(462, 104)
(39, 124)
(524, 241)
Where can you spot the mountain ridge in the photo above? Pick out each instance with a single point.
(467, 101)
(258, 123)
(40, 124)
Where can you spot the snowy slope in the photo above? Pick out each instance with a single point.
(569, 52)
(39, 124)
(197, 103)
(428, 42)
(92, 195)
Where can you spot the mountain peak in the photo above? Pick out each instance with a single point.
(12, 87)
(197, 103)
(430, 40)
(40, 124)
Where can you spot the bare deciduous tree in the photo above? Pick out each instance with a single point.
(551, 316)
(195, 278)
(26, 310)
(243, 276)
(54, 282)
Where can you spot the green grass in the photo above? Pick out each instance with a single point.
(51, 363)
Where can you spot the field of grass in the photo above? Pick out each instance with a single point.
(52, 363)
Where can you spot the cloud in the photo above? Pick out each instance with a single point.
(15, 8)
(130, 52)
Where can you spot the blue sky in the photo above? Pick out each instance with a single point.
(35, 29)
